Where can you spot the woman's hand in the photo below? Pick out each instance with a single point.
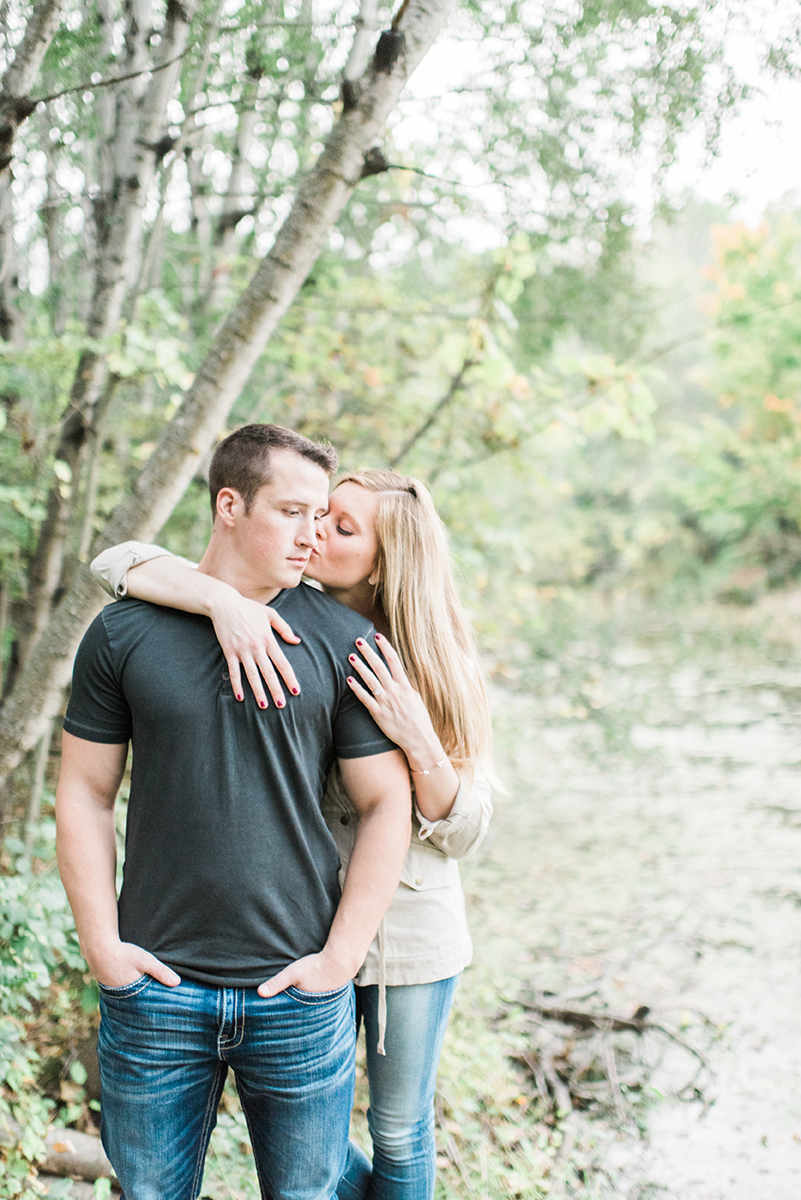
(400, 713)
(246, 632)
(394, 705)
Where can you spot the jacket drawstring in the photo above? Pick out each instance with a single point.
(382, 988)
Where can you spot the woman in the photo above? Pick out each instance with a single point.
(381, 550)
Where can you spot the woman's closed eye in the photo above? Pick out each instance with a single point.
(345, 532)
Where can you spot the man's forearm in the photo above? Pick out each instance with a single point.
(371, 881)
(87, 860)
(87, 856)
(379, 791)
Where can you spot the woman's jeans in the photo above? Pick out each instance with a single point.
(164, 1054)
(402, 1085)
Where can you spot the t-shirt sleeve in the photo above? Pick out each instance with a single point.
(97, 709)
(356, 734)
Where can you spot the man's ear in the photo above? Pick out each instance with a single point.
(229, 506)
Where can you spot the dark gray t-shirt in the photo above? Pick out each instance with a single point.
(230, 872)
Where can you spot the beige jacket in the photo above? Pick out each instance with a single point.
(424, 933)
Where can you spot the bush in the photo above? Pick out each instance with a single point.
(38, 943)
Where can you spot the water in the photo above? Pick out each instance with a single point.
(665, 874)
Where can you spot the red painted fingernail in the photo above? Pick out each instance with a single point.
(351, 658)
(239, 696)
(378, 637)
(262, 704)
(295, 691)
(359, 641)
(351, 679)
(280, 703)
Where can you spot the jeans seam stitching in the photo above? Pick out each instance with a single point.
(239, 996)
(138, 984)
(222, 1041)
(256, 1162)
(203, 1143)
(324, 996)
(237, 1037)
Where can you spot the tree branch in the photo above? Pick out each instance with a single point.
(15, 105)
(102, 83)
(456, 384)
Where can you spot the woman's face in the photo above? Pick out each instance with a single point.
(346, 539)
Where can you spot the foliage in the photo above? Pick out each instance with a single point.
(37, 943)
(743, 497)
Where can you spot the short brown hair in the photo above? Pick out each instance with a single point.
(242, 460)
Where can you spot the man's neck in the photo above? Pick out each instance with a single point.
(227, 569)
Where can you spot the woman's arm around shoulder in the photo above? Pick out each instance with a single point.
(244, 628)
(111, 566)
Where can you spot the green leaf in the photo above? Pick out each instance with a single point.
(78, 1073)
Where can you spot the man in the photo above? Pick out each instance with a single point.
(230, 945)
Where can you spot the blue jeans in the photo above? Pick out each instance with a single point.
(402, 1085)
(164, 1055)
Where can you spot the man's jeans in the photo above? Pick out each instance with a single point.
(164, 1054)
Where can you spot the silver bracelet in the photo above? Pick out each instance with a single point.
(429, 769)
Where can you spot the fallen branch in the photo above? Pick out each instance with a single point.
(69, 1154)
(583, 1019)
(565, 1113)
(76, 1155)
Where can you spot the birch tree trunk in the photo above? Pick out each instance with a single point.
(140, 120)
(240, 341)
(15, 107)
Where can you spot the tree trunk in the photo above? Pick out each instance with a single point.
(240, 341)
(140, 122)
(15, 107)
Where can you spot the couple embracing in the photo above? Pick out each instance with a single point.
(268, 861)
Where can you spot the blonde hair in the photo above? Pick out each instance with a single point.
(428, 625)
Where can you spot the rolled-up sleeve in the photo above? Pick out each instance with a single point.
(111, 567)
(463, 830)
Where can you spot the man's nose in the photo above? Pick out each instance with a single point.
(307, 534)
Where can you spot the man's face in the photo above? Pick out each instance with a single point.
(275, 539)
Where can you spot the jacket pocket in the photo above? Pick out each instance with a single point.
(426, 867)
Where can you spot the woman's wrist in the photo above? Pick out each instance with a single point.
(220, 599)
(426, 758)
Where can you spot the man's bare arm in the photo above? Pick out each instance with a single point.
(91, 773)
(379, 790)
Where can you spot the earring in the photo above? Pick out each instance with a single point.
(373, 580)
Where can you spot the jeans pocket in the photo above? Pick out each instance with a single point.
(125, 989)
(316, 997)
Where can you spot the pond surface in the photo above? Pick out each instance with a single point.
(666, 874)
